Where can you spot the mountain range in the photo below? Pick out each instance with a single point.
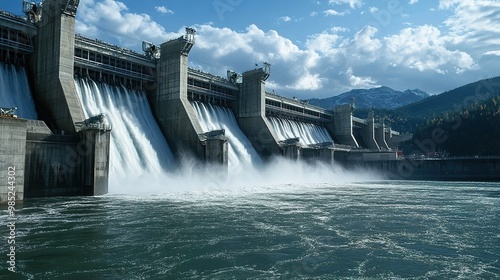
(453, 100)
(380, 97)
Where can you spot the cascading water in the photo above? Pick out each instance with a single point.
(15, 91)
(240, 151)
(137, 144)
(309, 134)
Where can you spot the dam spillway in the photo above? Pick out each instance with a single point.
(241, 152)
(307, 133)
(137, 145)
(15, 91)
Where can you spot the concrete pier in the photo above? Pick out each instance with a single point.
(291, 148)
(324, 155)
(67, 165)
(216, 152)
(12, 158)
(96, 160)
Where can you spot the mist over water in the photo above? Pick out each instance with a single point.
(138, 147)
(279, 174)
(15, 91)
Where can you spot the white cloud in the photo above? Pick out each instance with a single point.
(474, 23)
(332, 12)
(324, 43)
(363, 48)
(373, 9)
(163, 10)
(285, 19)
(424, 48)
(352, 3)
(412, 2)
(292, 68)
(497, 53)
(307, 81)
(360, 82)
(113, 18)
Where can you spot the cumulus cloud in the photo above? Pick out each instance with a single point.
(293, 68)
(424, 48)
(114, 18)
(413, 2)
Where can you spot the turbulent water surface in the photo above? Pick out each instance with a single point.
(371, 230)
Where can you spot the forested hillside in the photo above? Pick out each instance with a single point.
(453, 100)
(473, 131)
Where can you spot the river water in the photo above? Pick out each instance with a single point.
(347, 230)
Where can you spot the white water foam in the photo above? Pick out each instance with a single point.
(138, 147)
(307, 133)
(15, 91)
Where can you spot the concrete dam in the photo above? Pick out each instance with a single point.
(77, 112)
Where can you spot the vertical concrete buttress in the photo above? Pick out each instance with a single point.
(54, 65)
(368, 133)
(380, 135)
(176, 117)
(251, 113)
(343, 125)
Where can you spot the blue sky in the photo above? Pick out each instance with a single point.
(317, 48)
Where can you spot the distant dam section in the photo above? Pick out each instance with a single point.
(78, 112)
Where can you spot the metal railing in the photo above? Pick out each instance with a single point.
(299, 104)
(208, 92)
(112, 69)
(16, 45)
(295, 113)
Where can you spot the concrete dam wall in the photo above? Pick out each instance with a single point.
(89, 112)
